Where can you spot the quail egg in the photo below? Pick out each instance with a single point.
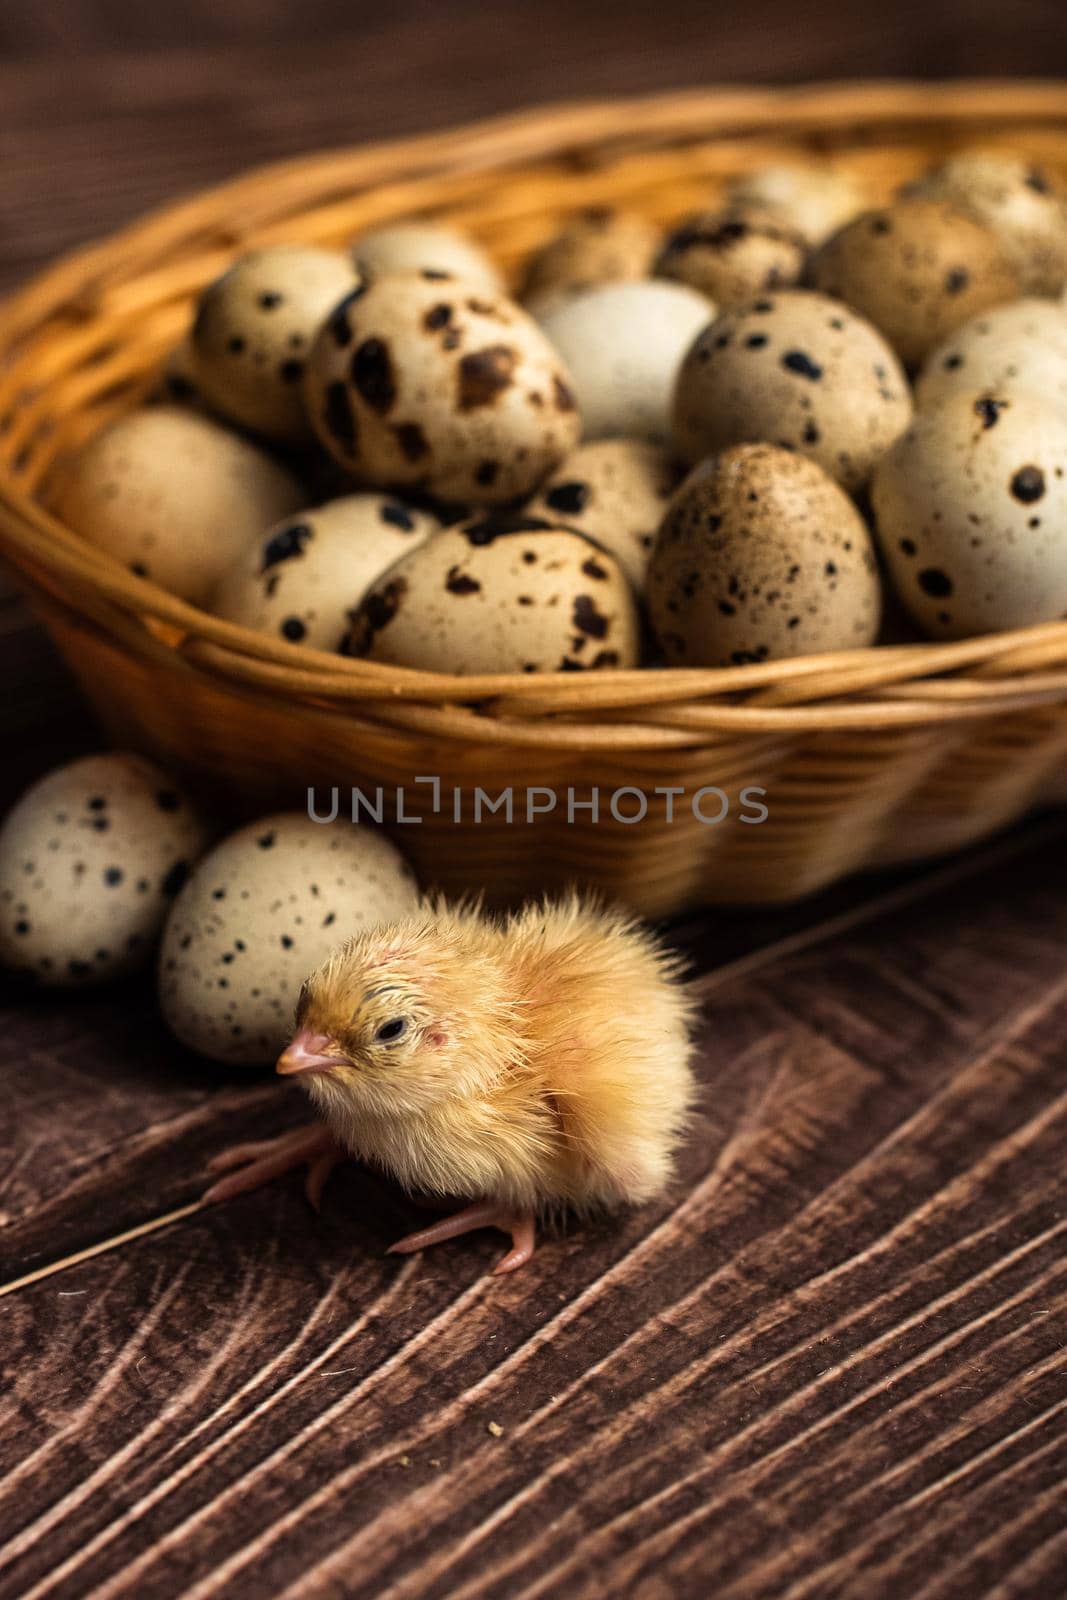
(599, 245)
(301, 581)
(798, 370)
(253, 329)
(810, 200)
(1022, 345)
(916, 269)
(426, 247)
(90, 858)
(761, 556)
(971, 512)
(174, 496)
(1023, 203)
(731, 259)
(501, 594)
(615, 491)
(623, 344)
(260, 912)
(421, 380)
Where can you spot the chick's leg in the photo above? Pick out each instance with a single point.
(266, 1159)
(483, 1214)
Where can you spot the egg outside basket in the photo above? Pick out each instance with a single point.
(867, 758)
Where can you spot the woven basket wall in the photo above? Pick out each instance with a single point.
(867, 758)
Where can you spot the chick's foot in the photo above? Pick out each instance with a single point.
(483, 1214)
(266, 1159)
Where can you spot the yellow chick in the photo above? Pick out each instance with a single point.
(526, 1065)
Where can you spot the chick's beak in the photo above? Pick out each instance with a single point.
(308, 1052)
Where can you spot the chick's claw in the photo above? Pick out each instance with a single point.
(483, 1214)
(250, 1165)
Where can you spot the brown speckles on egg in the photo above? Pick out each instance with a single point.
(307, 574)
(614, 490)
(747, 550)
(823, 383)
(457, 582)
(919, 276)
(438, 317)
(414, 445)
(249, 322)
(587, 619)
(81, 903)
(483, 375)
(439, 389)
(528, 613)
(954, 474)
(997, 189)
(800, 362)
(730, 258)
(372, 375)
(1028, 484)
(230, 971)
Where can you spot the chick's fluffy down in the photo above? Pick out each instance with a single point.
(550, 1056)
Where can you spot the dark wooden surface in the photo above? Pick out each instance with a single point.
(831, 1365)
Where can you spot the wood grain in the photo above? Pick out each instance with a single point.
(835, 1355)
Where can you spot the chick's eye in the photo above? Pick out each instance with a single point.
(390, 1031)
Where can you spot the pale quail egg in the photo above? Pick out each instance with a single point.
(623, 344)
(599, 245)
(971, 512)
(810, 200)
(1022, 345)
(761, 556)
(916, 269)
(615, 491)
(501, 595)
(303, 578)
(90, 859)
(173, 496)
(798, 370)
(1023, 203)
(261, 912)
(426, 247)
(421, 380)
(253, 329)
(732, 259)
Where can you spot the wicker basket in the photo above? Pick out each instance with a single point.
(867, 757)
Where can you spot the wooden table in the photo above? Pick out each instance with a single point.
(832, 1365)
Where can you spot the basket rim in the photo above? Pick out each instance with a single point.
(879, 686)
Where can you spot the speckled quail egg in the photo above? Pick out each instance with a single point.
(810, 200)
(615, 491)
(623, 344)
(971, 512)
(794, 369)
(258, 914)
(501, 595)
(599, 245)
(732, 259)
(1022, 345)
(90, 859)
(177, 379)
(253, 329)
(422, 380)
(1023, 203)
(426, 247)
(761, 555)
(916, 269)
(174, 496)
(301, 581)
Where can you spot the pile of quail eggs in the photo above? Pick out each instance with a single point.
(106, 864)
(746, 433)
